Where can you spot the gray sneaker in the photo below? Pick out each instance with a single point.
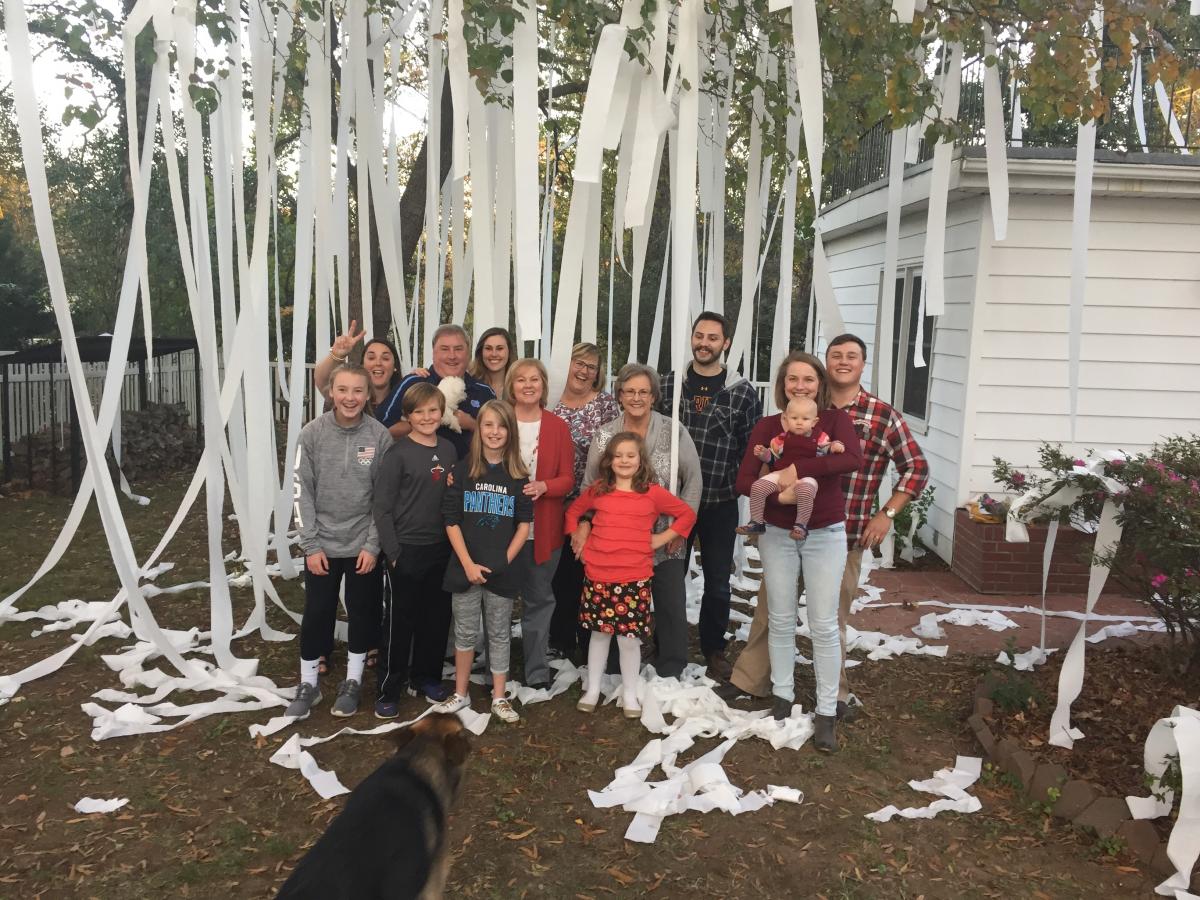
(346, 702)
(307, 696)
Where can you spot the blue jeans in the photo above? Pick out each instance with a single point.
(823, 558)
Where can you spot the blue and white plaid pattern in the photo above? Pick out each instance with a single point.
(720, 433)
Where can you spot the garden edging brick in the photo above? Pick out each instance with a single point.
(1077, 801)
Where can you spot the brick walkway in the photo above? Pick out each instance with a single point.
(900, 586)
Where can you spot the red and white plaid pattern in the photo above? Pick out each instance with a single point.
(885, 438)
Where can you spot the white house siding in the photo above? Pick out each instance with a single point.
(856, 266)
(1139, 377)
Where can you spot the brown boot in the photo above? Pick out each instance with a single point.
(825, 733)
(719, 668)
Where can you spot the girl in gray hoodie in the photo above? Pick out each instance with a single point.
(336, 464)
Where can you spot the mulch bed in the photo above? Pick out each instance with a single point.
(1126, 689)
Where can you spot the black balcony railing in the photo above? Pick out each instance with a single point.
(868, 162)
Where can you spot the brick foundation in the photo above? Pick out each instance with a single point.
(991, 565)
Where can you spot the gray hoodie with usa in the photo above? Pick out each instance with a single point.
(334, 483)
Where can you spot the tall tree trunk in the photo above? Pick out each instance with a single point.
(412, 215)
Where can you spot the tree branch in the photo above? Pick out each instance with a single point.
(97, 64)
(561, 90)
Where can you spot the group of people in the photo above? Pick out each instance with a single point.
(439, 522)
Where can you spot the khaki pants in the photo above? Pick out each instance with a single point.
(752, 671)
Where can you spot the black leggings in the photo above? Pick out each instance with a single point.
(565, 633)
(321, 601)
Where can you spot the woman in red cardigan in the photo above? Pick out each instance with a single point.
(549, 454)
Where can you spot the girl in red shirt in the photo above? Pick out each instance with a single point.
(618, 560)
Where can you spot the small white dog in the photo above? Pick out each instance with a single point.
(454, 389)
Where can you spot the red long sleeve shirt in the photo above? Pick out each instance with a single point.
(618, 548)
(829, 507)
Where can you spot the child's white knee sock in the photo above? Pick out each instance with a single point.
(310, 671)
(629, 650)
(597, 663)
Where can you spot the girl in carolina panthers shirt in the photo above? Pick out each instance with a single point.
(487, 521)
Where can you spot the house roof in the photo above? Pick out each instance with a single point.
(97, 348)
(1031, 170)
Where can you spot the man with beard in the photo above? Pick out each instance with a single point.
(719, 409)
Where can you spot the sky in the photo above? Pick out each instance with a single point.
(50, 70)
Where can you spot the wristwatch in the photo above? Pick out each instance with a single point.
(889, 512)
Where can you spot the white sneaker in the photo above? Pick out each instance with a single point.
(452, 704)
(503, 711)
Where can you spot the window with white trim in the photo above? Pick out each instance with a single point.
(910, 383)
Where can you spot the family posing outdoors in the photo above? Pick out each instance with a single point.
(437, 523)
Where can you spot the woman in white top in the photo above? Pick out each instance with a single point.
(549, 455)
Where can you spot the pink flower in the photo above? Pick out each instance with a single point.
(1018, 478)
(1158, 581)
(1079, 462)
(1116, 463)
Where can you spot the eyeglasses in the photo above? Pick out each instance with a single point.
(586, 367)
(637, 395)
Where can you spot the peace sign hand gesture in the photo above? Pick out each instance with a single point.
(344, 343)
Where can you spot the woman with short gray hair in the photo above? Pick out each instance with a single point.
(637, 389)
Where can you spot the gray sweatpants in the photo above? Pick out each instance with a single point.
(497, 612)
(538, 601)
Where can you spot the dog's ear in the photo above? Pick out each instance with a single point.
(404, 737)
(457, 747)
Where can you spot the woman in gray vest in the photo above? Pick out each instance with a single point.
(637, 389)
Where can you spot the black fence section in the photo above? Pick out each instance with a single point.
(37, 408)
(867, 163)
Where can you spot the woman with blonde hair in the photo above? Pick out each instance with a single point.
(487, 516)
(548, 454)
(584, 405)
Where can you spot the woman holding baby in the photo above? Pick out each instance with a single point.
(821, 553)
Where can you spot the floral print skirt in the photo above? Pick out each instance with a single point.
(617, 608)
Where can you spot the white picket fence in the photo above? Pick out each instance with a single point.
(38, 394)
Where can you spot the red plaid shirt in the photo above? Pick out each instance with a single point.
(885, 438)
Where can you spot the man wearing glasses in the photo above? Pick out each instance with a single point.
(719, 410)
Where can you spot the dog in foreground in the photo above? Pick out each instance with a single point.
(390, 839)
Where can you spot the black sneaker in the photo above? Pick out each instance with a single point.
(825, 733)
(730, 692)
(387, 708)
(781, 709)
(847, 712)
(432, 691)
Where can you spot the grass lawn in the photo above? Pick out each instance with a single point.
(209, 816)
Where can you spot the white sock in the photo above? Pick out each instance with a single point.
(356, 664)
(629, 651)
(310, 671)
(597, 663)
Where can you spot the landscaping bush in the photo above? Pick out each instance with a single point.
(1157, 495)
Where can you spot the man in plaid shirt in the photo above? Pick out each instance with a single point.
(885, 439)
(719, 409)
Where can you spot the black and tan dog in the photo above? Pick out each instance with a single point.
(390, 840)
